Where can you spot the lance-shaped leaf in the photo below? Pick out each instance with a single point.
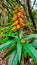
(32, 52)
(7, 44)
(20, 34)
(30, 36)
(9, 52)
(19, 50)
(4, 40)
(6, 35)
(13, 59)
(34, 43)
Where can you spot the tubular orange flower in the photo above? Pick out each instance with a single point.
(15, 17)
(20, 14)
(21, 11)
(15, 23)
(14, 28)
(20, 19)
(15, 11)
(23, 24)
(18, 26)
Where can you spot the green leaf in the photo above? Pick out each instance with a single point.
(19, 50)
(20, 34)
(6, 35)
(30, 36)
(13, 59)
(7, 44)
(32, 52)
(34, 43)
(9, 52)
(4, 40)
(18, 63)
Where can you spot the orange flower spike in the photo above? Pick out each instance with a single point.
(18, 21)
(15, 23)
(18, 26)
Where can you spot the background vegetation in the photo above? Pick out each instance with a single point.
(22, 42)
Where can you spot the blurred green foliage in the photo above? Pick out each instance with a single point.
(35, 15)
